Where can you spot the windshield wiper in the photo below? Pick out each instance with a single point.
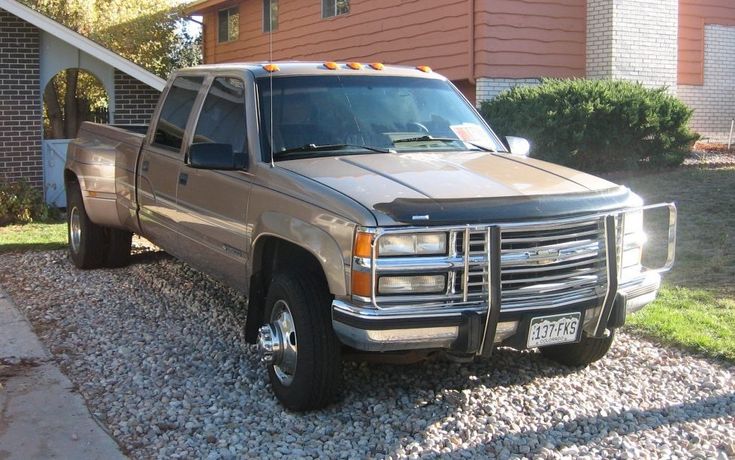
(426, 138)
(480, 147)
(327, 147)
(441, 139)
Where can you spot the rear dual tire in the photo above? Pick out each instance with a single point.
(92, 245)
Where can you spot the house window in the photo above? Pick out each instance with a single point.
(335, 7)
(270, 15)
(228, 25)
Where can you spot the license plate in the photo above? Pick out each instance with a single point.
(553, 329)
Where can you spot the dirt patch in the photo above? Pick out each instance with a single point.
(14, 367)
(711, 155)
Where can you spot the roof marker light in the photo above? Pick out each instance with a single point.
(271, 68)
(330, 65)
(377, 65)
(354, 65)
(424, 68)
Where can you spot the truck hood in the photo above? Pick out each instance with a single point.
(444, 187)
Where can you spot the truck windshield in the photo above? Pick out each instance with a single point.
(338, 115)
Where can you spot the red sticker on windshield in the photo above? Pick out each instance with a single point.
(470, 132)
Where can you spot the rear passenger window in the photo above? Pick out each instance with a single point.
(175, 112)
(222, 119)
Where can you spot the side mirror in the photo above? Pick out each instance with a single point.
(518, 146)
(208, 155)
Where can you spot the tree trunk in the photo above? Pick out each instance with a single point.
(53, 110)
(71, 109)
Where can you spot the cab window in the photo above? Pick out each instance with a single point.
(222, 118)
(175, 112)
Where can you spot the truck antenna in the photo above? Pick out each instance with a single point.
(270, 78)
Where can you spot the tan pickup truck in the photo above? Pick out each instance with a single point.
(363, 208)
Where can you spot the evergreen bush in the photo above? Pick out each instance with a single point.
(595, 125)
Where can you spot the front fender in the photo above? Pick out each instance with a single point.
(317, 241)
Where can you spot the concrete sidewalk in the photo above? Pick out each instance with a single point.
(40, 416)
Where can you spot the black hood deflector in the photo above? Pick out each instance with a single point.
(426, 211)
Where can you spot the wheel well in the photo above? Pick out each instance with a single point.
(270, 256)
(70, 178)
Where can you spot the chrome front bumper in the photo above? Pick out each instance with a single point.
(459, 329)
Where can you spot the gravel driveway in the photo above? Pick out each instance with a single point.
(157, 349)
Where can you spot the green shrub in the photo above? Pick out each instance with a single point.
(20, 203)
(595, 125)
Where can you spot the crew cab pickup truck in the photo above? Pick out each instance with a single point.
(363, 208)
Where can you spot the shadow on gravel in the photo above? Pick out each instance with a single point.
(587, 430)
(507, 367)
(433, 392)
(148, 256)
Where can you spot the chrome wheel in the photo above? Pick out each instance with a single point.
(278, 344)
(75, 229)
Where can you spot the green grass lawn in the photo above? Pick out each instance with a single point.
(35, 236)
(696, 308)
(694, 318)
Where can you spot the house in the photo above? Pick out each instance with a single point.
(34, 48)
(487, 46)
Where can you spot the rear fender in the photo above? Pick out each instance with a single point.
(95, 176)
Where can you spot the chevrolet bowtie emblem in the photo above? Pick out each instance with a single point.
(543, 256)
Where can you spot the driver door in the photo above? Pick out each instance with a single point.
(214, 203)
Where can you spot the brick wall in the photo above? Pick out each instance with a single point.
(20, 101)
(134, 101)
(633, 40)
(714, 101)
(599, 38)
(488, 88)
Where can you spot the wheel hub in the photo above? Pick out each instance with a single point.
(269, 344)
(75, 229)
(277, 342)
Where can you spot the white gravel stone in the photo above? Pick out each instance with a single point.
(157, 349)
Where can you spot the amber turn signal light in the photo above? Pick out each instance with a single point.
(363, 248)
(361, 284)
(363, 245)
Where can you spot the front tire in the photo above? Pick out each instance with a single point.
(583, 353)
(86, 239)
(306, 368)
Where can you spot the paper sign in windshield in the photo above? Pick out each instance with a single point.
(470, 132)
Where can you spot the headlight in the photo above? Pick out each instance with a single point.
(633, 240)
(419, 244)
(421, 284)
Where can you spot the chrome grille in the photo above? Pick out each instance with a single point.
(540, 267)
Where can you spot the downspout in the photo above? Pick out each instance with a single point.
(471, 42)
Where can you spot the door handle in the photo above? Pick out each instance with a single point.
(183, 178)
(144, 166)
